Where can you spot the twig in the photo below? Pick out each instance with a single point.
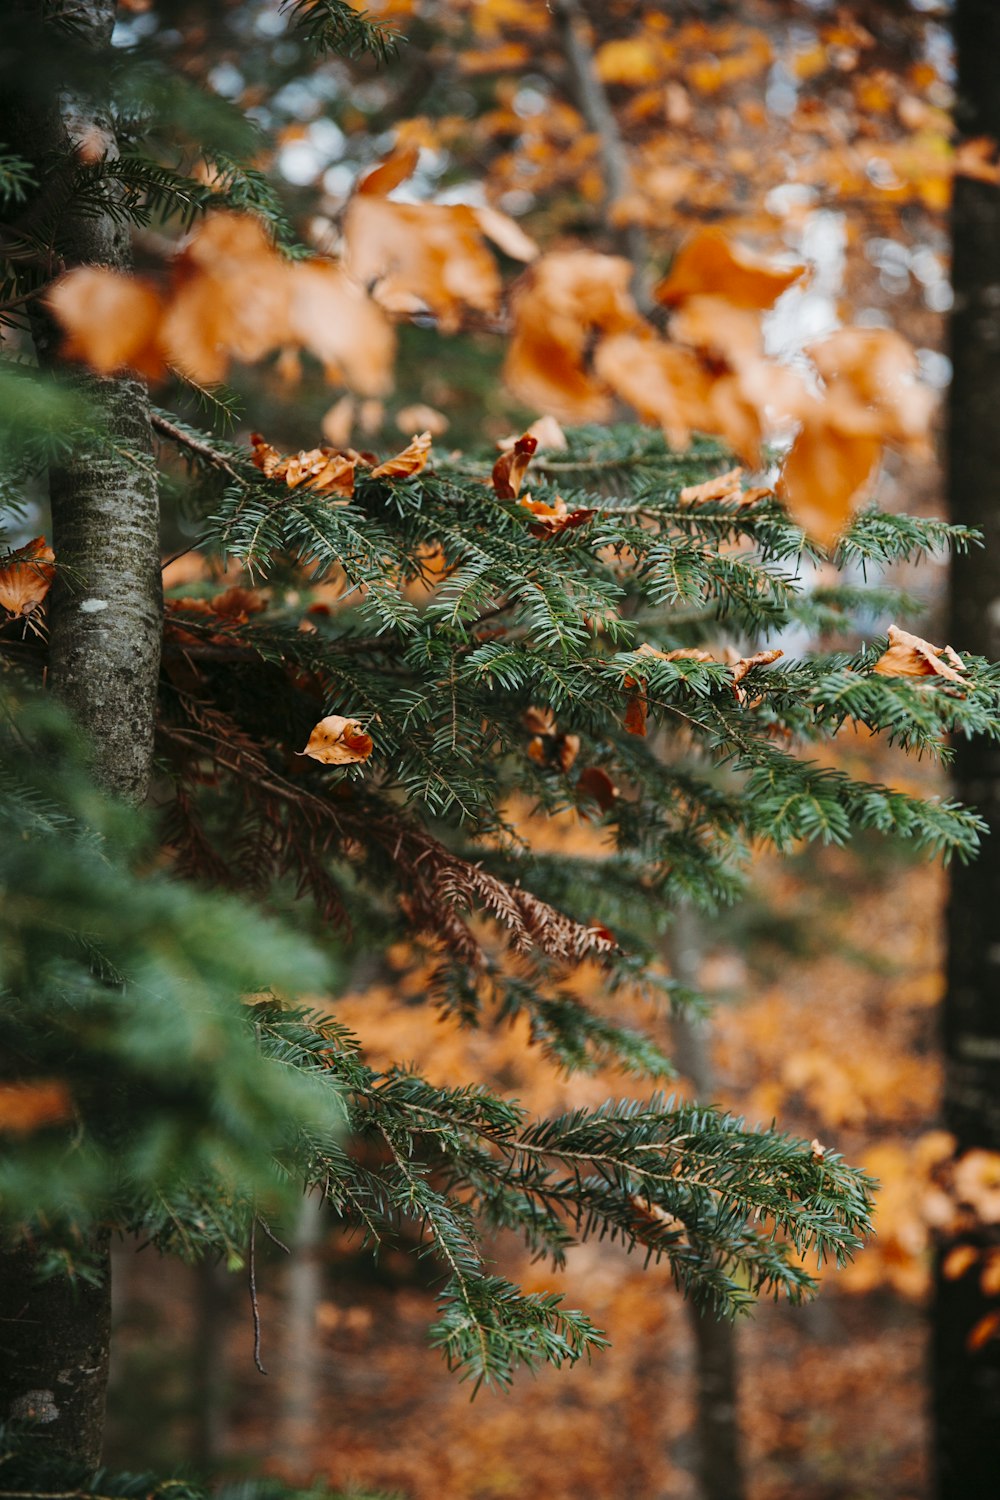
(254, 1305)
(596, 109)
(195, 445)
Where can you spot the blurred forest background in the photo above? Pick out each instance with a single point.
(823, 130)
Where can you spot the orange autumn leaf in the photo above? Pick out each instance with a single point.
(561, 303)
(395, 169)
(595, 782)
(410, 461)
(338, 742)
(511, 467)
(422, 418)
(546, 432)
(506, 233)
(960, 1258)
(635, 714)
(723, 487)
(28, 1105)
(909, 656)
(420, 256)
(665, 384)
(987, 1329)
(110, 320)
(26, 577)
(977, 159)
(710, 264)
(826, 471)
(553, 519)
(324, 470)
(332, 317)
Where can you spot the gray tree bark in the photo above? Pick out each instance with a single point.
(717, 1428)
(966, 1376)
(105, 643)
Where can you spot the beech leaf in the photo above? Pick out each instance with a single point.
(338, 742)
(909, 656)
(26, 577)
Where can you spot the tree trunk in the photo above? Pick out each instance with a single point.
(105, 641)
(717, 1431)
(966, 1376)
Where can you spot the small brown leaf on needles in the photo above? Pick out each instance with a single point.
(909, 656)
(552, 519)
(412, 459)
(724, 487)
(594, 782)
(28, 1105)
(26, 577)
(338, 742)
(511, 467)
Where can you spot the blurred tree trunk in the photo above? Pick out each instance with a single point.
(720, 1466)
(966, 1377)
(300, 1353)
(105, 634)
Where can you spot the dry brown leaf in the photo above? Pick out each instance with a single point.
(977, 158)
(511, 467)
(506, 233)
(389, 173)
(987, 1329)
(635, 714)
(744, 664)
(709, 264)
(422, 418)
(546, 432)
(26, 577)
(553, 519)
(909, 656)
(595, 782)
(230, 298)
(665, 384)
(411, 460)
(338, 742)
(421, 257)
(825, 473)
(959, 1259)
(562, 302)
(330, 315)
(324, 470)
(110, 320)
(28, 1105)
(722, 487)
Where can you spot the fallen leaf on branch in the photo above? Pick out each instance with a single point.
(324, 470)
(909, 656)
(548, 746)
(743, 665)
(26, 577)
(338, 742)
(29, 1105)
(511, 467)
(552, 519)
(594, 781)
(412, 459)
(710, 264)
(724, 487)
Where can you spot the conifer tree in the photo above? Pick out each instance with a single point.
(387, 653)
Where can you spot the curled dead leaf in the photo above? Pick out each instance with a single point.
(26, 577)
(27, 1105)
(594, 782)
(553, 519)
(909, 656)
(511, 467)
(411, 460)
(337, 741)
(710, 264)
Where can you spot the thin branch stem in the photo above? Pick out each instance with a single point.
(195, 445)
